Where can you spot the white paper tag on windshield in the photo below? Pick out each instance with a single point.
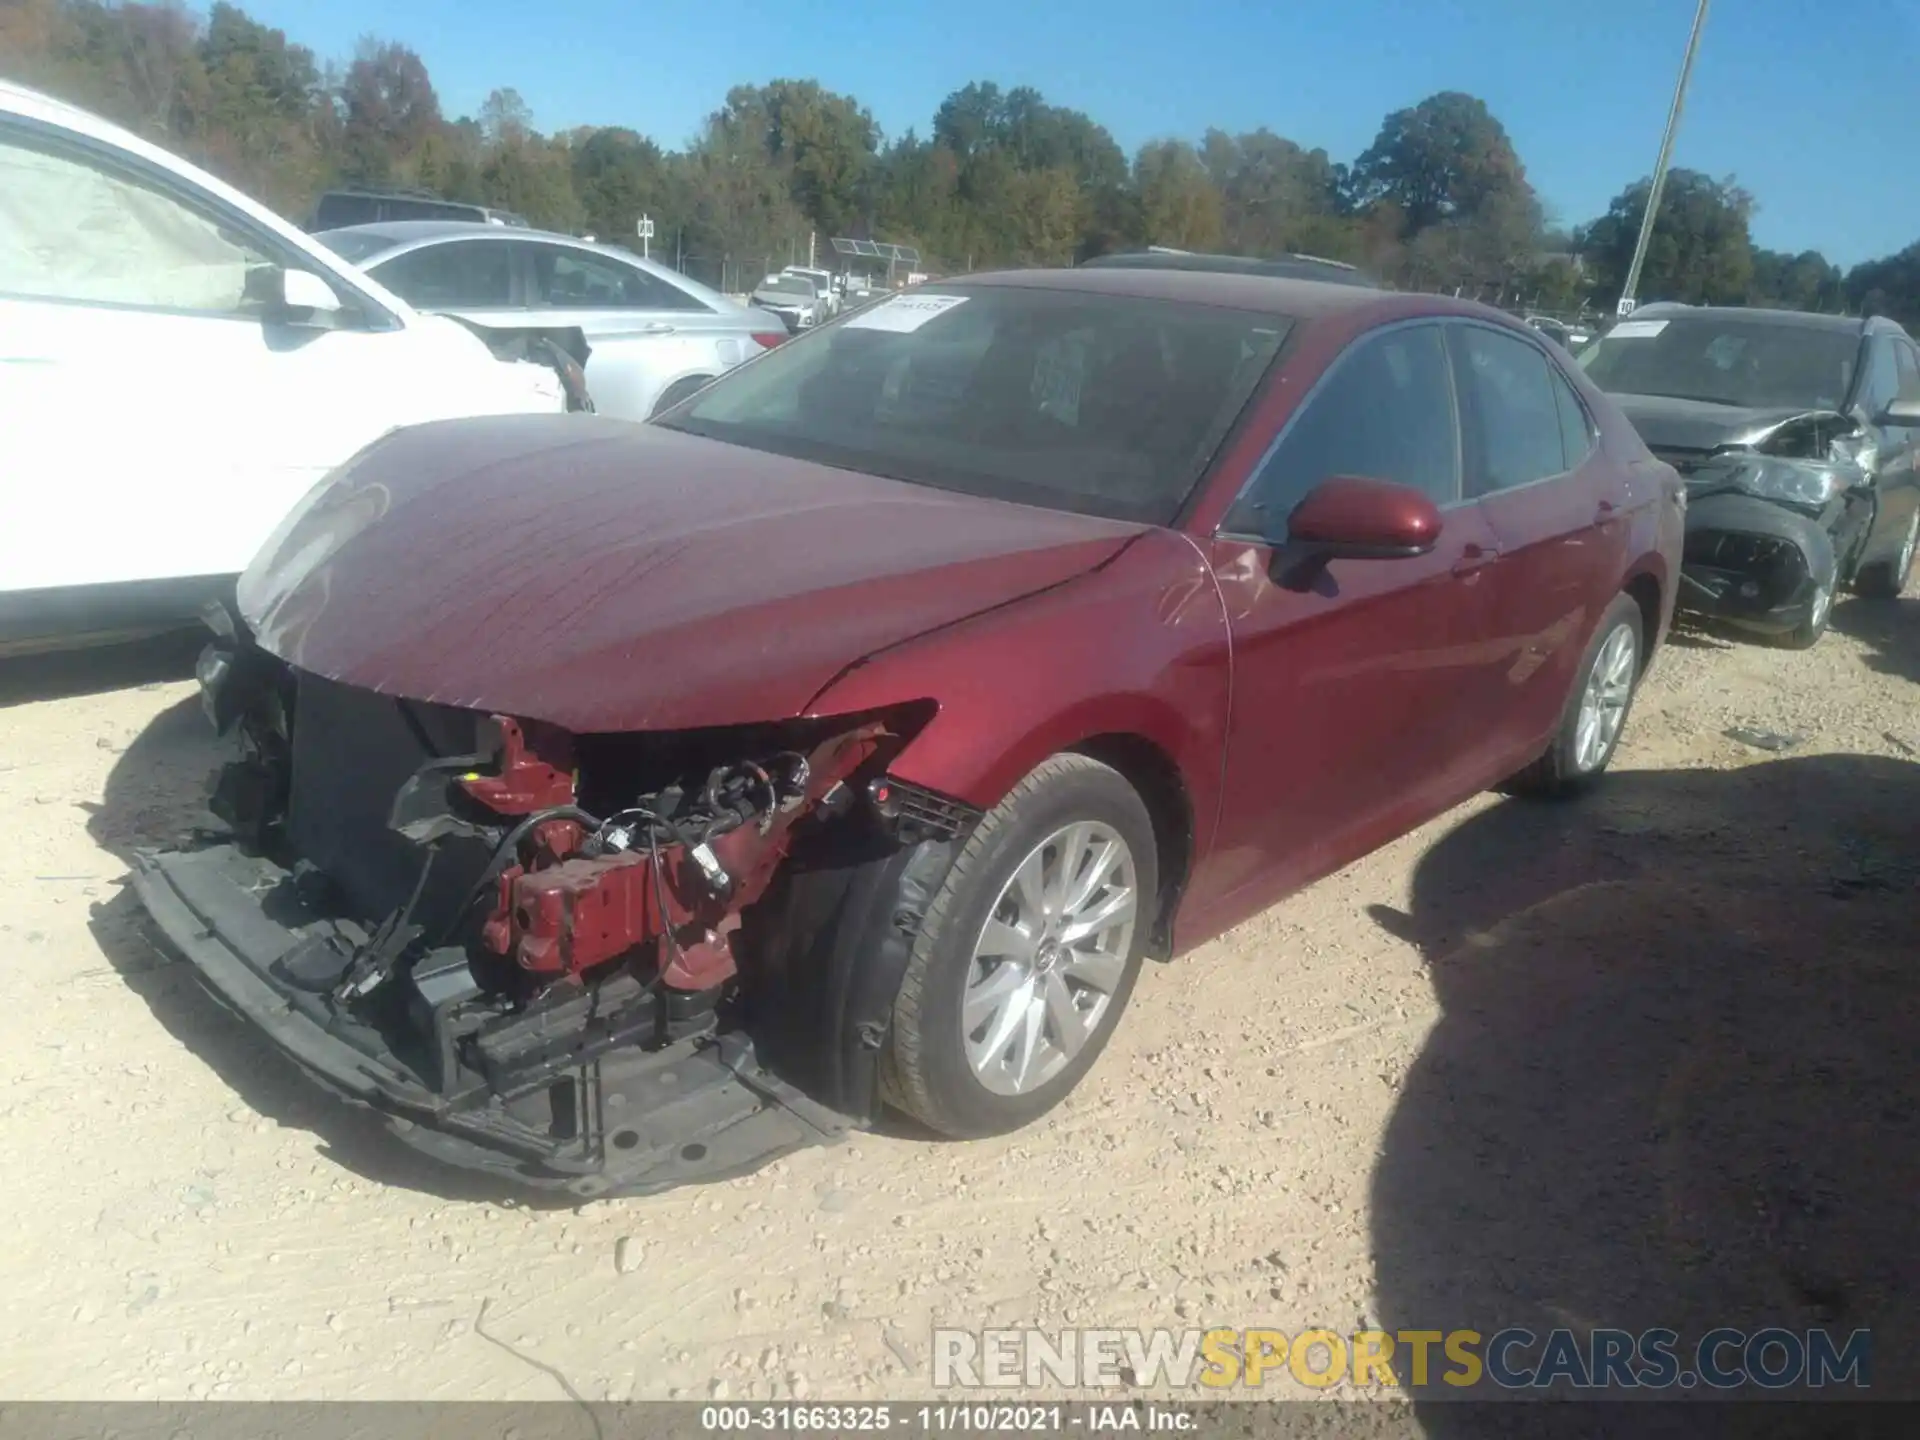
(904, 313)
(1635, 330)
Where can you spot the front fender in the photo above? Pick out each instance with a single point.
(1138, 647)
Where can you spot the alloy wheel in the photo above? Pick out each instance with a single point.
(1603, 704)
(1048, 959)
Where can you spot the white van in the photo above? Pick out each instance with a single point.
(178, 367)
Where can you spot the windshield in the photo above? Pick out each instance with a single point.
(1751, 363)
(353, 247)
(1101, 404)
(786, 285)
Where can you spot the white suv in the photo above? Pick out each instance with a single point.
(178, 367)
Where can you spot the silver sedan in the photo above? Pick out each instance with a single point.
(650, 336)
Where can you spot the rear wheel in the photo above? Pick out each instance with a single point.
(1028, 954)
(678, 391)
(1596, 711)
(1885, 579)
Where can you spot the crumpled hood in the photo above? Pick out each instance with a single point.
(602, 575)
(1668, 424)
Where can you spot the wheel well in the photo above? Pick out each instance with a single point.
(680, 390)
(1645, 591)
(1151, 772)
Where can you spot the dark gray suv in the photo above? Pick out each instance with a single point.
(1796, 435)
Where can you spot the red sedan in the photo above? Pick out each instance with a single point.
(619, 805)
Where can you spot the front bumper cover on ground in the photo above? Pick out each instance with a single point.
(635, 1122)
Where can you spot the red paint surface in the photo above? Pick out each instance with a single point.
(601, 576)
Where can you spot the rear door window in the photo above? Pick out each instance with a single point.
(568, 279)
(1518, 426)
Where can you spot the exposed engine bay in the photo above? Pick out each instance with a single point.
(589, 961)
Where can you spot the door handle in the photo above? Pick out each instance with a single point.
(1473, 557)
(656, 328)
(1604, 512)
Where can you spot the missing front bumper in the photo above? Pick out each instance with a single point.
(1752, 563)
(616, 1119)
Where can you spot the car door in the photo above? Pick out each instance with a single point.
(644, 335)
(1892, 469)
(1348, 721)
(1896, 477)
(158, 417)
(1900, 491)
(1560, 515)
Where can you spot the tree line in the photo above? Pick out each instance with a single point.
(1439, 201)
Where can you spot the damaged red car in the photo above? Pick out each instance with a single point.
(616, 806)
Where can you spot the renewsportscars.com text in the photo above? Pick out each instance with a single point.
(1511, 1359)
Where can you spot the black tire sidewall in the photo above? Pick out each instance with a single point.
(1093, 793)
(678, 391)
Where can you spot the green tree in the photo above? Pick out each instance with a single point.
(619, 175)
(824, 144)
(1700, 252)
(1807, 281)
(389, 109)
(1179, 203)
(1446, 158)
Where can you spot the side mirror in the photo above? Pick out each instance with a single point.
(295, 297)
(1351, 517)
(1904, 411)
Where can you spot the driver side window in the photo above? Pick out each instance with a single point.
(1881, 386)
(77, 229)
(1385, 411)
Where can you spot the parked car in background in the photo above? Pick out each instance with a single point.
(1285, 267)
(646, 335)
(1568, 336)
(794, 298)
(853, 732)
(829, 286)
(1797, 437)
(178, 366)
(339, 208)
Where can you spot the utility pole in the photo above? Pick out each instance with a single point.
(811, 236)
(1627, 295)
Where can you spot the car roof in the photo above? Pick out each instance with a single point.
(1263, 294)
(1292, 267)
(1802, 319)
(411, 232)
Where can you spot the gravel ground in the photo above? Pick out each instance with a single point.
(1643, 1059)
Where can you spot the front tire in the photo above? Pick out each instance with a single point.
(1807, 633)
(1885, 579)
(1028, 954)
(1596, 712)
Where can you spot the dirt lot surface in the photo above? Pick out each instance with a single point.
(1646, 1059)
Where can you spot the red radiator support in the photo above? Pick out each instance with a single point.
(572, 916)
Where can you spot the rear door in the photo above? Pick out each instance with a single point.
(1559, 512)
(1352, 709)
(643, 333)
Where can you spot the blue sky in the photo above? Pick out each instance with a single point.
(1811, 106)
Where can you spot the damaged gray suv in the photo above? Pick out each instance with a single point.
(1796, 435)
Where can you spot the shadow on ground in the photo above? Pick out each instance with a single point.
(1889, 629)
(92, 671)
(154, 797)
(1676, 1081)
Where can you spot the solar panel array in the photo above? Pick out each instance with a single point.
(875, 250)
